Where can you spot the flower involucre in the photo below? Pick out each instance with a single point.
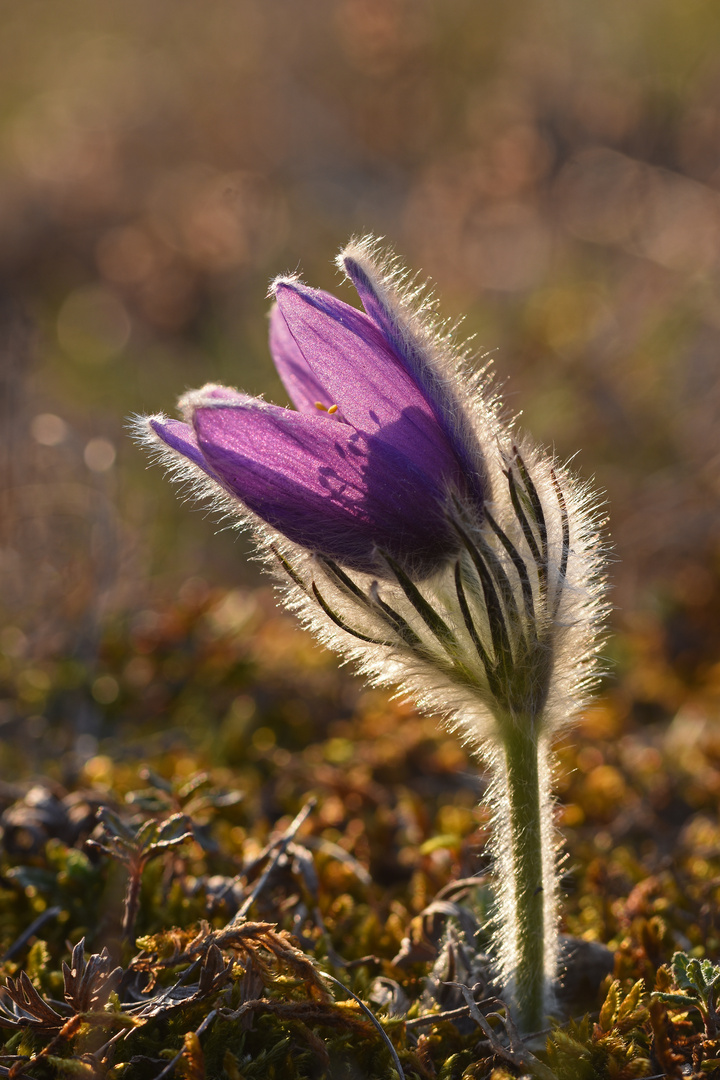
(419, 535)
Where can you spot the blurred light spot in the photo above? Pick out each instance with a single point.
(86, 746)
(448, 841)
(193, 592)
(602, 721)
(520, 157)
(264, 739)
(572, 815)
(12, 641)
(377, 36)
(93, 325)
(217, 220)
(456, 820)
(232, 613)
(127, 255)
(48, 429)
(35, 678)
(57, 146)
(682, 228)
(605, 787)
(449, 756)
(99, 770)
(339, 751)
(589, 758)
(238, 836)
(608, 198)
(243, 708)
(138, 672)
(601, 195)
(105, 690)
(332, 811)
(186, 767)
(99, 455)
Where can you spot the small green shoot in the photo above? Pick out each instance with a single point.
(698, 982)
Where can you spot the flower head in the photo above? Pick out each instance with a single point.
(367, 459)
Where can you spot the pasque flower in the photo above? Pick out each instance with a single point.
(416, 533)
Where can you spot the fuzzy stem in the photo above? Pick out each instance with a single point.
(530, 936)
(132, 899)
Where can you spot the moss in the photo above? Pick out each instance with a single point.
(357, 886)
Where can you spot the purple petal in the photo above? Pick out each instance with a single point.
(411, 355)
(325, 486)
(373, 303)
(351, 358)
(298, 379)
(180, 437)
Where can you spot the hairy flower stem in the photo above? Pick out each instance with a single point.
(132, 899)
(525, 905)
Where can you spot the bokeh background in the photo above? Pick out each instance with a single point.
(553, 167)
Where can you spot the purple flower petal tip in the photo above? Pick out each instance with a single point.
(180, 438)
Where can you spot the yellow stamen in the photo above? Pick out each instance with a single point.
(333, 409)
(319, 405)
